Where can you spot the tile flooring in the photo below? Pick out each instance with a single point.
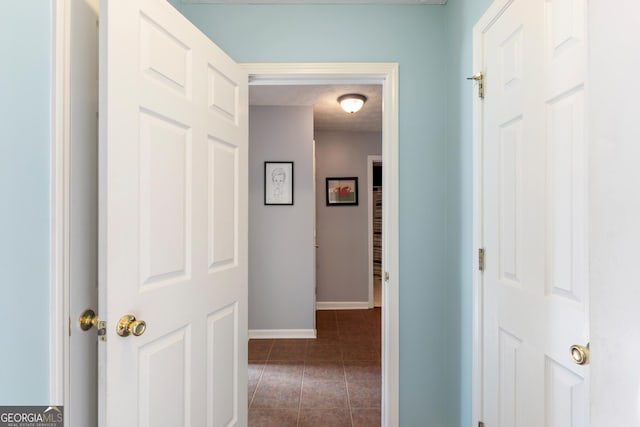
(332, 381)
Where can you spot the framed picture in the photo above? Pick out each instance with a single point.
(342, 191)
(278, 183)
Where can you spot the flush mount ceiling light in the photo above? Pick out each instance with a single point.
(352, 102)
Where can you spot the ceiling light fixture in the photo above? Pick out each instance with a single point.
(352, 102)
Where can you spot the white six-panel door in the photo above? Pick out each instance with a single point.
(173, 221)
(535, 285)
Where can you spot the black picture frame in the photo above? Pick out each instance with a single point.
(278, 183)
(342, 191)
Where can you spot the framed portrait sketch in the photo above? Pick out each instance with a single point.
(342, 191)
(278, 183)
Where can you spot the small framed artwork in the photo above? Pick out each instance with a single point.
(342, 191)
(278, 183)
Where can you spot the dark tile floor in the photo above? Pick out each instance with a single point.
(332, 381)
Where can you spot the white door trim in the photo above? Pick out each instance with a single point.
(484, 23)
(59, 206)
(361, 73)
(315, 235)
(370, 161)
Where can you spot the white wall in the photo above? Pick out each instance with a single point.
(343, 257)
(281, 253)
(615, 212)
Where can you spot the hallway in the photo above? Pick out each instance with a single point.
(331, 381)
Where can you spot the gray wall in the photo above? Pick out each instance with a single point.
(342, 231)
(281, 284)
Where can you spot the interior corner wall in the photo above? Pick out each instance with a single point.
(281, 253)
(342, 231)
(462, 16)
(25, 155)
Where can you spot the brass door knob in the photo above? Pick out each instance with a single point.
(88, 319)
(128, 325)
(580, 354)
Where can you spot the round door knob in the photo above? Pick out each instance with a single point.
(88, 319)
(128, 325)
(580, 354)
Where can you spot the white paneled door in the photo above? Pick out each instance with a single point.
(173, 222)
(534, 220)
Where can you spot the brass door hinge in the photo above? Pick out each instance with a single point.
(481, 259)
(479, 78)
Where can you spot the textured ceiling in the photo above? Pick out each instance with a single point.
(327, 114)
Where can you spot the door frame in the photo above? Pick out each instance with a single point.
(385, 73)
(59, 205)
(315, 228)
(371, 159)
(493, 12)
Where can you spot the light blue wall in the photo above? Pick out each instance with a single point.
(417, 38)
(25, 49)
(432, 44)
(462, 16)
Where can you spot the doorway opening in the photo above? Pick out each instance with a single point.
(375, 220)
(305, 127)
(386, 75)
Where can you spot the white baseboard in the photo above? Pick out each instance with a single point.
(342, 305)
(281, 333)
